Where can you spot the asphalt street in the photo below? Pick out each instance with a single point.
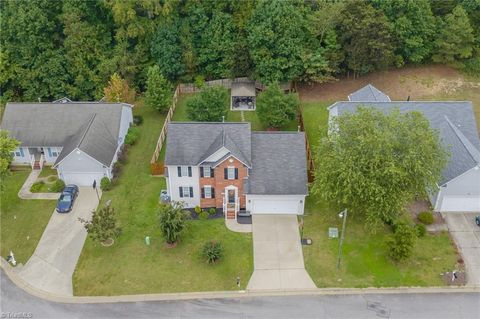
(15, 303)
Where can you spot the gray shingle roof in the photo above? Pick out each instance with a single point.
(455, 122)
(368, 93)
(93, 127)
(190, 143)
(279, 164)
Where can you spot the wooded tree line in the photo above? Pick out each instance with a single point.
(50, 48)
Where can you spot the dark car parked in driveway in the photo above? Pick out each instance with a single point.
(67, 198)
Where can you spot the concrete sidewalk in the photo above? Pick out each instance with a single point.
(25, 193)
(466, 234)
(278, 256)
(52, 264)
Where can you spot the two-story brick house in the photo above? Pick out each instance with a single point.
(227, 166)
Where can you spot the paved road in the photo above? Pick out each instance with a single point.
(467, 236)
(394, 306)
(277, 254)
(52, 264)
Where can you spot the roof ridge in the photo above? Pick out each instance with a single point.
(86, 129)
(277, 132)
(206, 123)
(471, 149)
(373, 93)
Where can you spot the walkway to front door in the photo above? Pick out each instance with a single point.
(277, 253)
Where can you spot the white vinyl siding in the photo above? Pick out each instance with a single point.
(462, 194)
(174, 182)
(275, 204)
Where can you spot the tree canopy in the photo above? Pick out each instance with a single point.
(275, 108)
(210, 105)
(7, 146)
(374, 163)
(159, 91)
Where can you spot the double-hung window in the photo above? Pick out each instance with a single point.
(207, 171)
(184, 171)
(185, 191)
(208, 191)
(231, 173)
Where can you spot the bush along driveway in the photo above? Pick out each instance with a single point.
(132, 267)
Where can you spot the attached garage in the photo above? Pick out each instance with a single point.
(287, 205)
(81, 179)
(460, 204)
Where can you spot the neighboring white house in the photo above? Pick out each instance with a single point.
(459, 187)
(80, 139)
(226, 166)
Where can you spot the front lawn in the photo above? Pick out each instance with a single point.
(22, 221)
(365, 261)
(130, 266)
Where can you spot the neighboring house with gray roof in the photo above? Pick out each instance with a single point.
(459, 186)
(79, 139)
(368, 93)
(227, 166)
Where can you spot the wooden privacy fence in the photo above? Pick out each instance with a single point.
(227, 83)
(310, 160)
(158, 168)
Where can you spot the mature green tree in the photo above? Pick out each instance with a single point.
(365, 36)
(166, 49)
(88, 47)
(172, 222)
(242, 13)
(276, 39)
(275, 108)
(374, 163)
(217, 47)
(455, 39)
(33, 60)
(7, 146)
(413, 27)
(159, 91)
(103, 225)
(118, 90)
(210, 105)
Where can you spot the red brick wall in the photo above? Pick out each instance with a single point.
(219, 183)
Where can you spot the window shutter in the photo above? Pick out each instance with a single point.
(179, 170)
(201, 171)
(213, 192)
(181, 191)
(236, 173)
(203, 192)
(225, 171)
(212, 170)
(190, 171)
(191, 192)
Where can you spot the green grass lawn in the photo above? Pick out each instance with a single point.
(365, 261)
(131, 267)
(48, 171)
(22, 221)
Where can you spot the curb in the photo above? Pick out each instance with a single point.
(19, 282)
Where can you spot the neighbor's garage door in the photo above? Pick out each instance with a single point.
(460, 204)
(81, 179)
(264, 206)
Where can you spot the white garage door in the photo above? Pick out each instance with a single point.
(264, 206)
(461, 204)
(81, 179)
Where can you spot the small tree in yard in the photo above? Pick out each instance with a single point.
(375, 163)
(210, 105)
(159, 91)
(403, 241)
(7, 146)
(275, 108)
(118, 90)
(172, 222)
(212, 251)
(103, 226)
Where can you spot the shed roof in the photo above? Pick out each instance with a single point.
(243, 89)
(368, 93)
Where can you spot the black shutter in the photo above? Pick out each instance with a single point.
(212, 170)
(236, 173)
(191, 192)
(179, 170)
(201, 171)
(213, 192)
(225, 171)
(181, 191)
(190, 171)
(203, 192)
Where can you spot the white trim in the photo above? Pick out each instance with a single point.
(205, 193)
(455, 178)
(103, 165)
(229, 169)
(231, 155)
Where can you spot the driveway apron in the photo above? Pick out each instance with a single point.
(52, 264)
(278, 257)
(467, 237)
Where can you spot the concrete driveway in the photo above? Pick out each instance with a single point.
(278, 256)
(52, 264)
(467, 236)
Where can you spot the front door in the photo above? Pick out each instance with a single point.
(231, 196)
